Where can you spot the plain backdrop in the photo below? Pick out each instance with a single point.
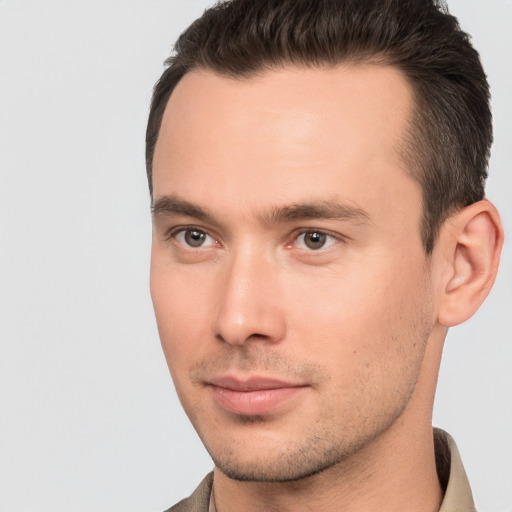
(88, 416)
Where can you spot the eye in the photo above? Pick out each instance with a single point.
(314, 240)
(193, 237)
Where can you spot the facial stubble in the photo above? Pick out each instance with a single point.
(321, 446)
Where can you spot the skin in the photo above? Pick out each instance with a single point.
(256, 169)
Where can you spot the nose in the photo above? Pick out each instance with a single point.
(249, 304)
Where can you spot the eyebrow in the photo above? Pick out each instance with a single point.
(170, 205)
(324, 210)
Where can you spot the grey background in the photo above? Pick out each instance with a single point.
(88, 416)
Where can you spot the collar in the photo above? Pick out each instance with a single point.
(453, 478)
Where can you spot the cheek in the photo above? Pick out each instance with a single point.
(370, 341)
(362, 319)
(181, 307)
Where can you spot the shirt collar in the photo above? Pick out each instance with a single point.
(453, 478)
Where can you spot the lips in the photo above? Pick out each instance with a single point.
(253, 396)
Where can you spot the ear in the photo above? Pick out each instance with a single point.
(471, 243)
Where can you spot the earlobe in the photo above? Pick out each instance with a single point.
(472, 240)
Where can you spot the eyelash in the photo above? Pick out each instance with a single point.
(326, 234)
(329, 239)
(173, 234)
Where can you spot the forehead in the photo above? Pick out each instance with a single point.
(299, 130)
(371, 95)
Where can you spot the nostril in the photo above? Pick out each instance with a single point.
(242, 340)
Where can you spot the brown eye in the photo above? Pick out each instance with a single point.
(314, 239)
(194, 237)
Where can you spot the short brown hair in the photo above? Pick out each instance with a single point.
(448, 145)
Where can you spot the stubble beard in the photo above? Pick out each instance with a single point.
(328, 441)
(323, 445)
(317, 452)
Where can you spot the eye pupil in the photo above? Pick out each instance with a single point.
(194, 238)
(314, 239)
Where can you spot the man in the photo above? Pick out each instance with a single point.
(317, 173)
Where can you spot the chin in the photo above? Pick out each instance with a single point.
(280, 464)
(276, 474)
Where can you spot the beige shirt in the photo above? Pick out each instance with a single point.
(453, 479)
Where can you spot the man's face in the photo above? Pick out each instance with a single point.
(291, 288)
